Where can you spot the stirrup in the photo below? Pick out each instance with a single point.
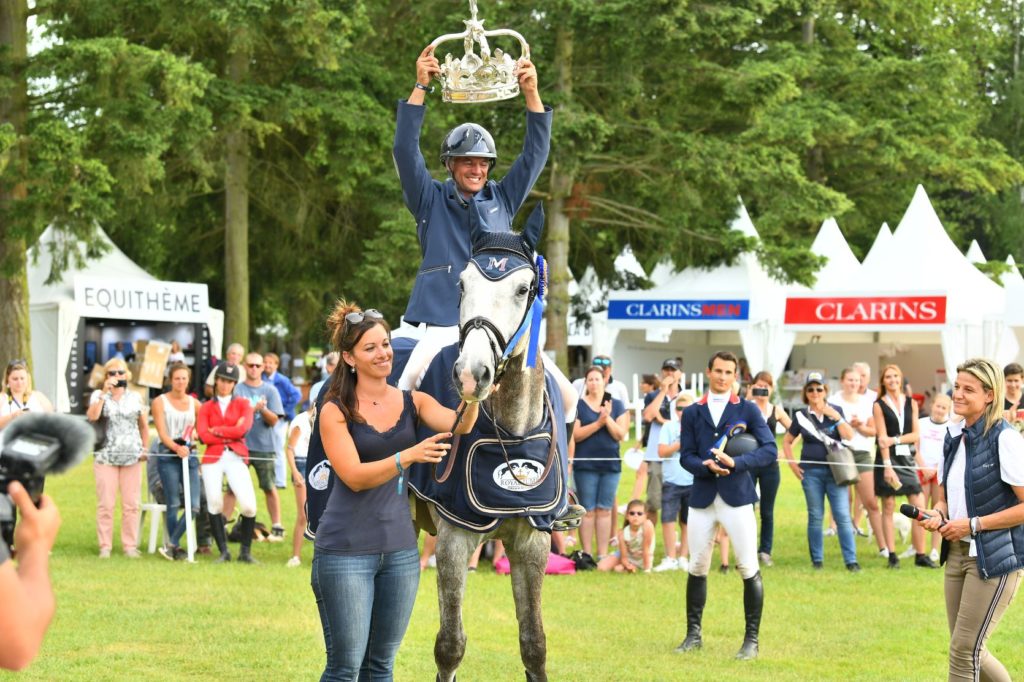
(570, 520)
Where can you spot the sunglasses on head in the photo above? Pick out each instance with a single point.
(358, 316)
(602, 362)
(116, 372)
(815, 389)
(20, 362)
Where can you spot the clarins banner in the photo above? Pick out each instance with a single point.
(866, 311)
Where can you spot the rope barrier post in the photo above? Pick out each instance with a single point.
(190, 524)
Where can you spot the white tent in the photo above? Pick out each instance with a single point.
(594, 295)
(831, 243)
(702, 308)
(974, 253)
(913, 287)
(55, 309)
(1013, 284)
(879, 245)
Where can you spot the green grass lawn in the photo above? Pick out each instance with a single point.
(156, 620)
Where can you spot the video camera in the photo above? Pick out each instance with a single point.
(34, 445)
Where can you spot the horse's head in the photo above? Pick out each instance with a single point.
(499, 285)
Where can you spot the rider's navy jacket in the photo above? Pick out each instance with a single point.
(698, 434)
(443, 215)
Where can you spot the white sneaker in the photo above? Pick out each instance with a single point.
(934, 555)
(883, 553)
(667, 564)
(294, 562)
(684, 564)
(908, 553)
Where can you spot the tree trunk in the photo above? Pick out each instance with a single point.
(15, 332)
(236, 217)
(562, 180)
(815, 160)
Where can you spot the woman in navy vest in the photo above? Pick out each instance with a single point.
(366, 567)
(980, 513)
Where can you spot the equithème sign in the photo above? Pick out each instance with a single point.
(140, 299)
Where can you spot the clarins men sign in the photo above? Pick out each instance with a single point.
(866, 311)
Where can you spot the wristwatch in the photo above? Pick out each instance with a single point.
(974, 526)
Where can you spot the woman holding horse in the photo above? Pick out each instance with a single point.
(601, 424)
(365, 575)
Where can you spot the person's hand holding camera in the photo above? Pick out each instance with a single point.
(37, 528)
(26, 597)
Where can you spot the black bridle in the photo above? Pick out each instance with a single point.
(500, 349)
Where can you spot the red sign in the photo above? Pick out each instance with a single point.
(872, 310)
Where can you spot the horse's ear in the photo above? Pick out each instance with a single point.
(477, 223)
(534, 227)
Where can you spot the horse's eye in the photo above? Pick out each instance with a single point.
(523, 290)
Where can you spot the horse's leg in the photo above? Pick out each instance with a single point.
(528, 550)
(454, 547)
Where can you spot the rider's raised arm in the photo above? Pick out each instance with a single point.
(412, 169)
(439, 418)
(525, 170)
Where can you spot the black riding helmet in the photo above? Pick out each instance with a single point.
(468, 139)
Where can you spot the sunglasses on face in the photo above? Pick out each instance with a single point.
(254, 365)
(357, 317)
(116, 373)
(816, 389)
(635, 513)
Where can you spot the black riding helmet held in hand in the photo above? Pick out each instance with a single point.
(468, 139)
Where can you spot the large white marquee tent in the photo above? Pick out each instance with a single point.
(58, 310)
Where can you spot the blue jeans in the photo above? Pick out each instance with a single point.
(818, 483)
(365, 603)
(169, 467)
(596, 489)
(768, 480)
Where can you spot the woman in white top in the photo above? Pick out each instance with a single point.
(18, 396)
(980, 513)
(859, 411)
(174, 415)
(117, 463)
(298, 443)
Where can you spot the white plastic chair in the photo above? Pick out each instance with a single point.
(156, 510)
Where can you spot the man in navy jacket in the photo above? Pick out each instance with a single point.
(444, 210)
(723, 493)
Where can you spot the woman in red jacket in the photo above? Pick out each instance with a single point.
(222, 425)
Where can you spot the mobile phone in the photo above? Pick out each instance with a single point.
(760, 391)
(121, 383)
(606, 398)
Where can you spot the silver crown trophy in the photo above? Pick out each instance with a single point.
(483, 77)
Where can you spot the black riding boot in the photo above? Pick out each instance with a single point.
(696, 595)
(248, 527)
(753, 603)
(220, 537)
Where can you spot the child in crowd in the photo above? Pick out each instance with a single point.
(929, 456)
(636, 543)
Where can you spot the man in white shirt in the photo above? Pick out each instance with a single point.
(613, 386)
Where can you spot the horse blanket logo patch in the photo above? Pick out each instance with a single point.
(497, 264)
(319, 475)
(518, 475)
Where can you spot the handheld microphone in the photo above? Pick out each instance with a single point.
(912, 512)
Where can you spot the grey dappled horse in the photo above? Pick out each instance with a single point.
(518, 407)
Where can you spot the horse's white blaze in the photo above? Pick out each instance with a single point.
(503, 302)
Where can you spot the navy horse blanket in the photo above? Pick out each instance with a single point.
(494, 475)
